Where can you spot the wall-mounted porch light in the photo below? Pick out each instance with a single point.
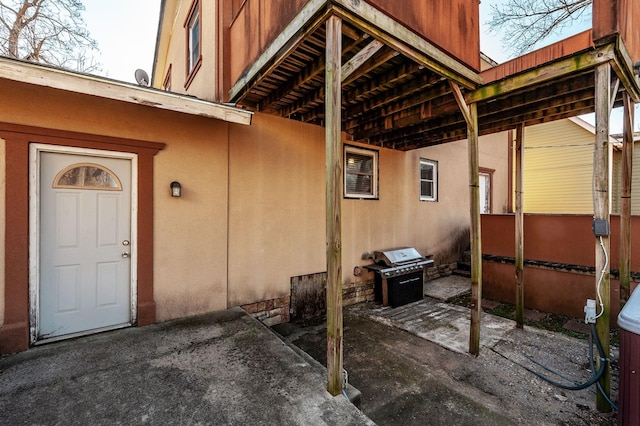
(176, 189)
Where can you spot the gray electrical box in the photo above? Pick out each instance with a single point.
(600, 228)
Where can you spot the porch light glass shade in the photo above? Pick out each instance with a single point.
(176, 189)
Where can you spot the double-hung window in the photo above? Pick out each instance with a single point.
(193, 32)
(428, 180)
(360, 173)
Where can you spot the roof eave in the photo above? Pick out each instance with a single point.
(39, 75)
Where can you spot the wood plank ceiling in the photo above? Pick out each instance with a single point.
(393, 102)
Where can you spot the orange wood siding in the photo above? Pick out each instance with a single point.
(538, 57)
(557, 239)
(452, 25)
(617, 17)
(255, 25)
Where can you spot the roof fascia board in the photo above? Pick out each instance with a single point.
(405, 41)
(283, 43)
(538, 75)
(38, 75)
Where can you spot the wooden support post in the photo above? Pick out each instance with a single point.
(333, 169)
(519, 226)
(476, 245)
(470, 114)
(601, 203)
(625, 200)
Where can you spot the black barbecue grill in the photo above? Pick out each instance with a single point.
(399, 275)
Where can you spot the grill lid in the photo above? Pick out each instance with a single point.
(397, 256)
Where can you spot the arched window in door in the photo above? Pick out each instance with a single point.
(87, 176)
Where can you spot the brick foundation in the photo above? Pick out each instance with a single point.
(357, 292)
(270, 312)
(439, 271)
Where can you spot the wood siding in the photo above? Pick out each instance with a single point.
(255, 25)
(635, 183)
(559, 242)
(453, 25)
(538, 57)
(558, 167)
(617, 17)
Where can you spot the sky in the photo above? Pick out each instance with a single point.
(126, 33)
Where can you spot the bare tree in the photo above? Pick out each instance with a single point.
(524, 23)
(51, 32)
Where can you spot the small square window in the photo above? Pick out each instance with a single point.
(428, 180)
(360, 173)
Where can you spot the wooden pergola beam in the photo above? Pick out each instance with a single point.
(476, 238)
(360, 58)
(470, 113)
(601, 213)
(519, 225)
(405, 41)
(333, 171)
(558, 69)
(625, 199)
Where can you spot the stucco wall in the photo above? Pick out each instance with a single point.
(276, 201)
(277, 206)
(172, 53)
(190, 247)
(252, 214)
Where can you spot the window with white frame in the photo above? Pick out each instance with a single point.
(428, 180)
(192, 26)
(360, 173)
(486, 178)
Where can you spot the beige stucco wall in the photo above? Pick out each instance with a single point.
(277, 206)
(252, 213)
(190, 247)
(172, 54)
(276, 201)
(190, 240)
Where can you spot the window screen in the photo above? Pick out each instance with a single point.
(360, 173)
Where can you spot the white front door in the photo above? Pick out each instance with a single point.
(84, 277)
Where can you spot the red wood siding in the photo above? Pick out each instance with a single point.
(563, 239)
(538, 57)
(255, 25)
(617, 17)
(453, 25)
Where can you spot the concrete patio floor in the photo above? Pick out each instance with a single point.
(217, 369)
(412, 365)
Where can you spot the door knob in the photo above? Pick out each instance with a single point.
(125, 254)
(125, 243)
